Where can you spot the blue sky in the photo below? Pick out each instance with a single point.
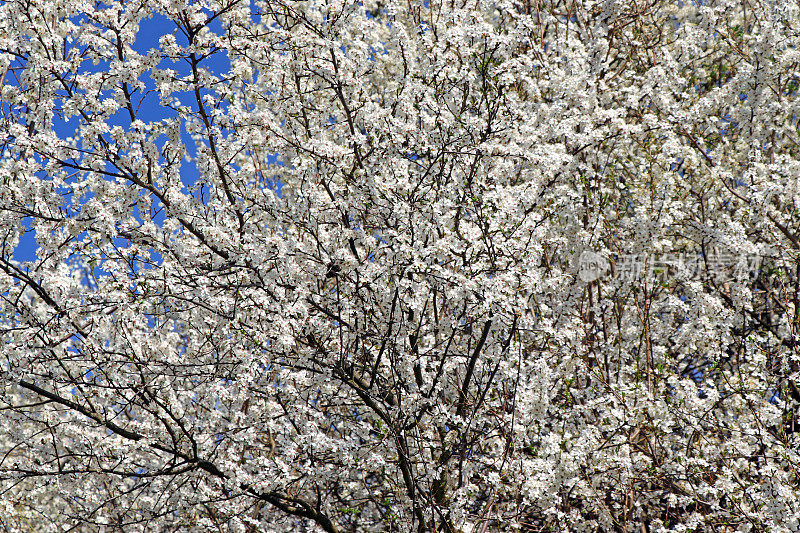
(146, 102)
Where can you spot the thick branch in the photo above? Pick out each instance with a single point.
(293, 506)
(462, 402)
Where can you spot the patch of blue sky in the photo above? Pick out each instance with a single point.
(148, 107)
(677, 166)
(773, 397)
(26, 248)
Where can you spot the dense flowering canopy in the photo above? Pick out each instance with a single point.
(400, 265)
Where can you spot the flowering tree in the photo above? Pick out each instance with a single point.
(390, 265)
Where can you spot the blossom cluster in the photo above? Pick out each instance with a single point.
(315, 265)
